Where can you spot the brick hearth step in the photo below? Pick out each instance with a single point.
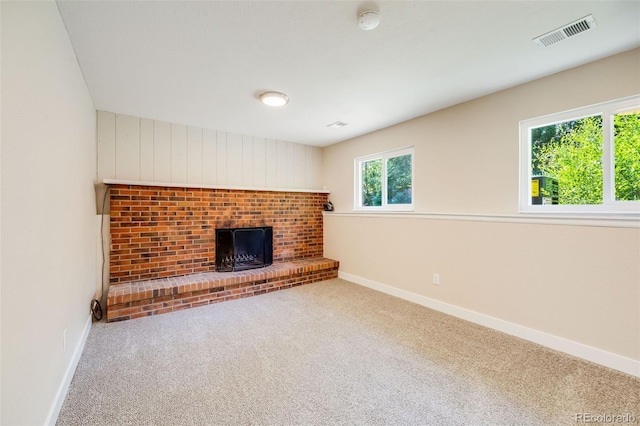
(143, 298)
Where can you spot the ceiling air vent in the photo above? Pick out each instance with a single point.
(569, 30)
(337, 124)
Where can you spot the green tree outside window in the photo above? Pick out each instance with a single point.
(571, 152)
(372, 183)
(399, 180)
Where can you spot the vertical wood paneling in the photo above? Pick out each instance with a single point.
(132, 148)
(178, 153)
(247, 161)
(127, 147)
(234, 159)
(259, 171)
(291, 166)
(106, 145)
(221, 158)
(194, 155)
(271, 163)
(281, 164)
(309, 167)
(316, 182)
(146, 150)
(161, 151)
(209, 157)
(300, 162)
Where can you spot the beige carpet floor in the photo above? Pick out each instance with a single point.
(330, 353)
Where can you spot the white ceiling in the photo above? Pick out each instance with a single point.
(203, 63)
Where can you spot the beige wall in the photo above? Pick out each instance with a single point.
(48, 210)
(138, 149)
(580, 283)
(467, 155)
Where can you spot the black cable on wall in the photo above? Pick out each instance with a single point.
(96, 307)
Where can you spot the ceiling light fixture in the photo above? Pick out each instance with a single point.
(274, 99)
(368, 20)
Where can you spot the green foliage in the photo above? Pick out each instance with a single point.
(372, 183)
(545, 135)
(627, 156)
(575, 159)
(399, 180)
(572, 153)
(398, 171)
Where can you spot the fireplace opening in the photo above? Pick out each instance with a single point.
(238, 249)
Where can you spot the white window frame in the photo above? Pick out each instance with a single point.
(384, 156)
(610, 204)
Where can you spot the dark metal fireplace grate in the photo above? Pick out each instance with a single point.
(239, 249)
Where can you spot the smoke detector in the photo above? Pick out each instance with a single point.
(566, 31)
(368, 20)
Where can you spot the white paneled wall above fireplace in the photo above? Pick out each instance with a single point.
(139, 149)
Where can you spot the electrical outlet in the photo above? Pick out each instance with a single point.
(436, 279)
(64, 340)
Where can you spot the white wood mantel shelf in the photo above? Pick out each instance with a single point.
(202, 186)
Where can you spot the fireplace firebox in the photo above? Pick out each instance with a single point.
(238, 249)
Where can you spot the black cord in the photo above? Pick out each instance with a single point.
(96, 308)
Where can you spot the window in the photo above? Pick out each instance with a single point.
(385, 181)
(584, 160)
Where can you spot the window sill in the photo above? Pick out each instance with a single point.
(601, 210)
(383, 210)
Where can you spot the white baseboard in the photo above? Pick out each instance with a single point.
(598, 356)
(52, 417)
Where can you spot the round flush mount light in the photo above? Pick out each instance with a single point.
(368, 20)
(274, 99)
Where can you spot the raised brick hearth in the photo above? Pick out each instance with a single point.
(140, 299)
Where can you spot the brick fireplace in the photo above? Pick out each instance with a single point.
(163, 232)
(160, 233)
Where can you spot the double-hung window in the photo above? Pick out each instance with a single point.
(384, 181)
(585, 160)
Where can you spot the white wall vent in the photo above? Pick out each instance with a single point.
(337, 124)
(566, 31)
